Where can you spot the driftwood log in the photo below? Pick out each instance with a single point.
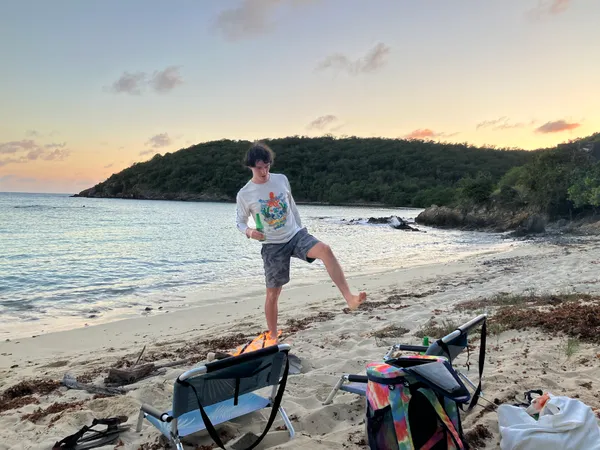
(120, 377)
(71, 382)
(130, 375)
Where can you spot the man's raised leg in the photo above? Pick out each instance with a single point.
(271, 310)
(323, 252)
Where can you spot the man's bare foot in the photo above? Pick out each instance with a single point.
(356, 300)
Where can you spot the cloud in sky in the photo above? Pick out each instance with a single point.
(17, 146)
(249, 19)
(502, 123)
(548, 7)
(322, 122)
(426, 133)
(28, 150)
(32, 133)
(166, 80)
(557, 126)
(372, 61)
(55, 145)
(38, 134)
(129, 83)
(252, 18)
(135, 83)
(147, 152)
(159, 140)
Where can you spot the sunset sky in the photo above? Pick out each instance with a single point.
(89, 87)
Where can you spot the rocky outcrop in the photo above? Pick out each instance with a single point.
(483, 218)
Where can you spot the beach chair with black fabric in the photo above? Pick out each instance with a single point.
(222, 390)
(449, 347)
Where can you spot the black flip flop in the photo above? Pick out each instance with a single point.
(87, 437)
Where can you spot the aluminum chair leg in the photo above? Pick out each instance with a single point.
(287, 421)
(140, 420)
(335, 389)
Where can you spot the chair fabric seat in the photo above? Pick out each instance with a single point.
(224, 411)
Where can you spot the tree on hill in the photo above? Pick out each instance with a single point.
(558, 182)
(348, 170)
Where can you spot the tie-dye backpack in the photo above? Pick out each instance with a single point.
(412, 403)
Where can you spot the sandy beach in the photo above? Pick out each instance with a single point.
(329, 343)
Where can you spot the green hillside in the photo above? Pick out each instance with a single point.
(558, 183)
(325, 169)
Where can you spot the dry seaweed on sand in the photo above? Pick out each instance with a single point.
(295, 325)
(524, 300)
(23, 393)
(6, 405)
(197, 351)
(54, 408)
(30, 387)
(391, 331)
(435, 329)
(576, 315)
(477, 436)
(575, 319)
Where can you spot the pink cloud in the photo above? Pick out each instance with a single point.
(28, 150)
(426, 133)
(557, 126)
(549, 7)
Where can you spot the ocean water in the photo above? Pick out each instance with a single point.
(67, 260)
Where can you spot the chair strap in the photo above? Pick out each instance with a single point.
(477, 393)
(444, 419)
(274, 408)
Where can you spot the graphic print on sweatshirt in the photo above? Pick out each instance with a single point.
(274, 210)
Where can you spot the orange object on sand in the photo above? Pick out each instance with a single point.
(261, 341)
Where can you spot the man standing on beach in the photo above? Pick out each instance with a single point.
(270, 196)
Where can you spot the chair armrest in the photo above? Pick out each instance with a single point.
(152, 411)
(358, 378)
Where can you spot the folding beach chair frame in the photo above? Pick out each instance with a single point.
(274, 400)
(440, 347)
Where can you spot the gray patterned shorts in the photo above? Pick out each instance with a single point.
(277, 257)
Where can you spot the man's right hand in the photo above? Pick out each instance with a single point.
(255, 234)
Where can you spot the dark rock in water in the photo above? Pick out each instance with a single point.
(379, 220)
(400, 224)
(148, 308)
(393, 221)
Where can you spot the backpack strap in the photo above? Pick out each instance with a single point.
(444, 419)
